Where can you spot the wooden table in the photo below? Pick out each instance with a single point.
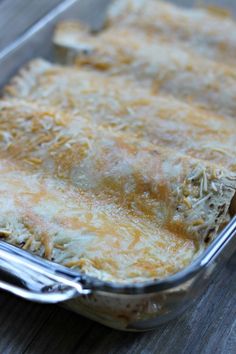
(208, 327)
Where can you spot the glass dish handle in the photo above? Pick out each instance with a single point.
(36, 280)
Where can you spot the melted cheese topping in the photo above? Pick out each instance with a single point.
(208, 31)
(150, 182)
(154, 63)
(111, 178)
(48, 217)
(123, 107)
(106, 203)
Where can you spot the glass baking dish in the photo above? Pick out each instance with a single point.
(134, 307)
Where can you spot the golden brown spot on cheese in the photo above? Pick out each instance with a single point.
(187, 202)
(105, 264)
(136, 239)
(198, 222)
(5, 233)
(33, 161)
(163, 191)
(58, 246)
(178, 228)
(28, 243)
(147, 266)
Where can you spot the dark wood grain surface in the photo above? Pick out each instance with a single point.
(208, 327)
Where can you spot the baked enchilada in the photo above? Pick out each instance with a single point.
(122, 106)
(118, 181)
(155, 63)
(209, 31)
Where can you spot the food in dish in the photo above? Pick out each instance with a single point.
(122, 106)
(118, 166)
(69, 188)
(154, 63)
(209, 31)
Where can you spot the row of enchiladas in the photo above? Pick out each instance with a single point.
(122, 164)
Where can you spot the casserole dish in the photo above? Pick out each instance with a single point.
(132, 307)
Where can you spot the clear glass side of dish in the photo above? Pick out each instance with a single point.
(140, 312)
